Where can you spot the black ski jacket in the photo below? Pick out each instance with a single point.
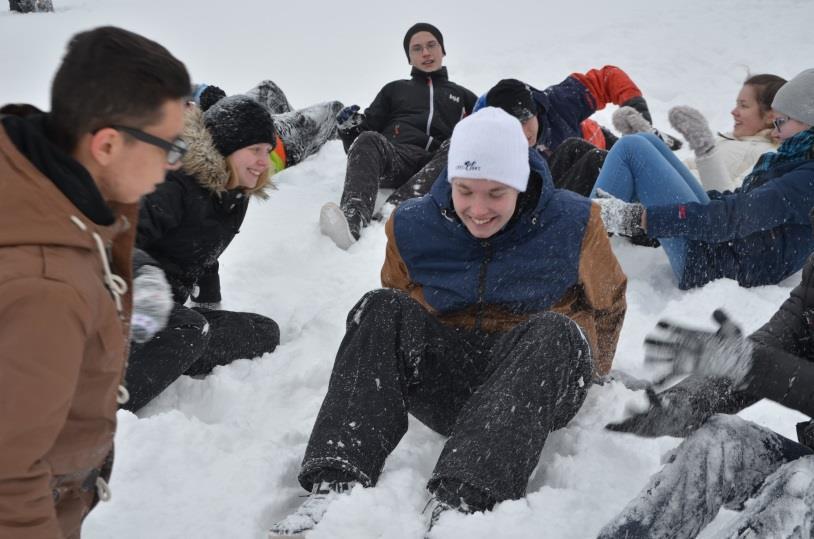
(783, 368)
(421, 110)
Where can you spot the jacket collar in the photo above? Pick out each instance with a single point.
(437, 75)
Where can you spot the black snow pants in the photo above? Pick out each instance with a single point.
(575, 165)
(496, 396)
(194, 342)
(723, 464)
(375, 162)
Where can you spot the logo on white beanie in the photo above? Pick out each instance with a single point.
(489, 145)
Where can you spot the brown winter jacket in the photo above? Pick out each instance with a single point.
(63, 348)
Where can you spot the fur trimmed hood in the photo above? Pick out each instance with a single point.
(203, 161)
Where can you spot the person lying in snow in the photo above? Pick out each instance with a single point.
(729, 462)
(721, 161)
(557, 123)
(184, 226)
(503, 299)
(397, 134)
(300, 133)
(758, 234)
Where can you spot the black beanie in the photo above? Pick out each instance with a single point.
(422, 27)
(238, 121)
(514, 97)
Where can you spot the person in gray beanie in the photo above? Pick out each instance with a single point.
(184, 226)
(795, 100)
(501, 301)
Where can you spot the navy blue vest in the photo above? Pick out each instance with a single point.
(525, 268)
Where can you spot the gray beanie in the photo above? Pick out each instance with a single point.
(795, 99)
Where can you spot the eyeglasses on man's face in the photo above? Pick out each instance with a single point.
(779, 121)
(175, 149)
(418, 49)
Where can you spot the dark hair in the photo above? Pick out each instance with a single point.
(765, 86)
(112, 76)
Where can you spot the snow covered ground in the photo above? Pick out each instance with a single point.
(218, 457)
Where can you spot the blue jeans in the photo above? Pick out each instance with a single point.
(641, 168)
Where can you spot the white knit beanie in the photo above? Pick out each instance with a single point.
(489, 145)
(795, 99)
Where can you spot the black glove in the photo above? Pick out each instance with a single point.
(152, 303)
(725, 353)
(640, 105)
(206, 292)
(348, 118)
(620, 217)
(682, 408)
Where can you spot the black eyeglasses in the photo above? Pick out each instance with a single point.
(779, 121)
(175, 149)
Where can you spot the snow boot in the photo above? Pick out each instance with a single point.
(694, 127)
(311, 511)
(343, 230)
(436, 509)
(270, 96)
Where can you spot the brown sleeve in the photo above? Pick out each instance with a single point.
(604, 285)
(42, 342)
(394, 270)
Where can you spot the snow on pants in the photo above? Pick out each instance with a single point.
(496, 396)
(723, 464)
(194, 342)
(375, 162)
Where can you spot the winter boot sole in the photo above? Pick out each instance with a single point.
(334, 224)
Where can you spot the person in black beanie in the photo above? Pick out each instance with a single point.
(397, 134)
(556, 122)
(183, 228)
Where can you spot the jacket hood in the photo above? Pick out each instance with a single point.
(203, 161)
(62, 209)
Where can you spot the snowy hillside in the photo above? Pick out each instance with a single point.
(218, 457)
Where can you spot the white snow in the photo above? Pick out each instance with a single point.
(218, 457)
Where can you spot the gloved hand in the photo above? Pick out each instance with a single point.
(723, 353)
(681, 409)
(620, 217)
(628, 119)
(639, 104)
(152, 303)
(349, 117)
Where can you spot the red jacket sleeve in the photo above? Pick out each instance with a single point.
(608, 84)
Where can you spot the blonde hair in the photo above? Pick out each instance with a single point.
(263, 181)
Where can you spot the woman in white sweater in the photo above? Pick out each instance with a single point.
(723, 160)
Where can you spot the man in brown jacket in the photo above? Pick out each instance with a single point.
(503, 300)
(70, 183)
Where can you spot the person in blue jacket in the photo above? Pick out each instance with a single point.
(758, 234)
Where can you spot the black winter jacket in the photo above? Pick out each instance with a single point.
(190, 219)
(783, 368)
(421, 110)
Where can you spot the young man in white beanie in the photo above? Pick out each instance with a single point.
(502, 301)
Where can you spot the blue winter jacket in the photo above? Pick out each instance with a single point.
(759, 234)
(553, 255)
